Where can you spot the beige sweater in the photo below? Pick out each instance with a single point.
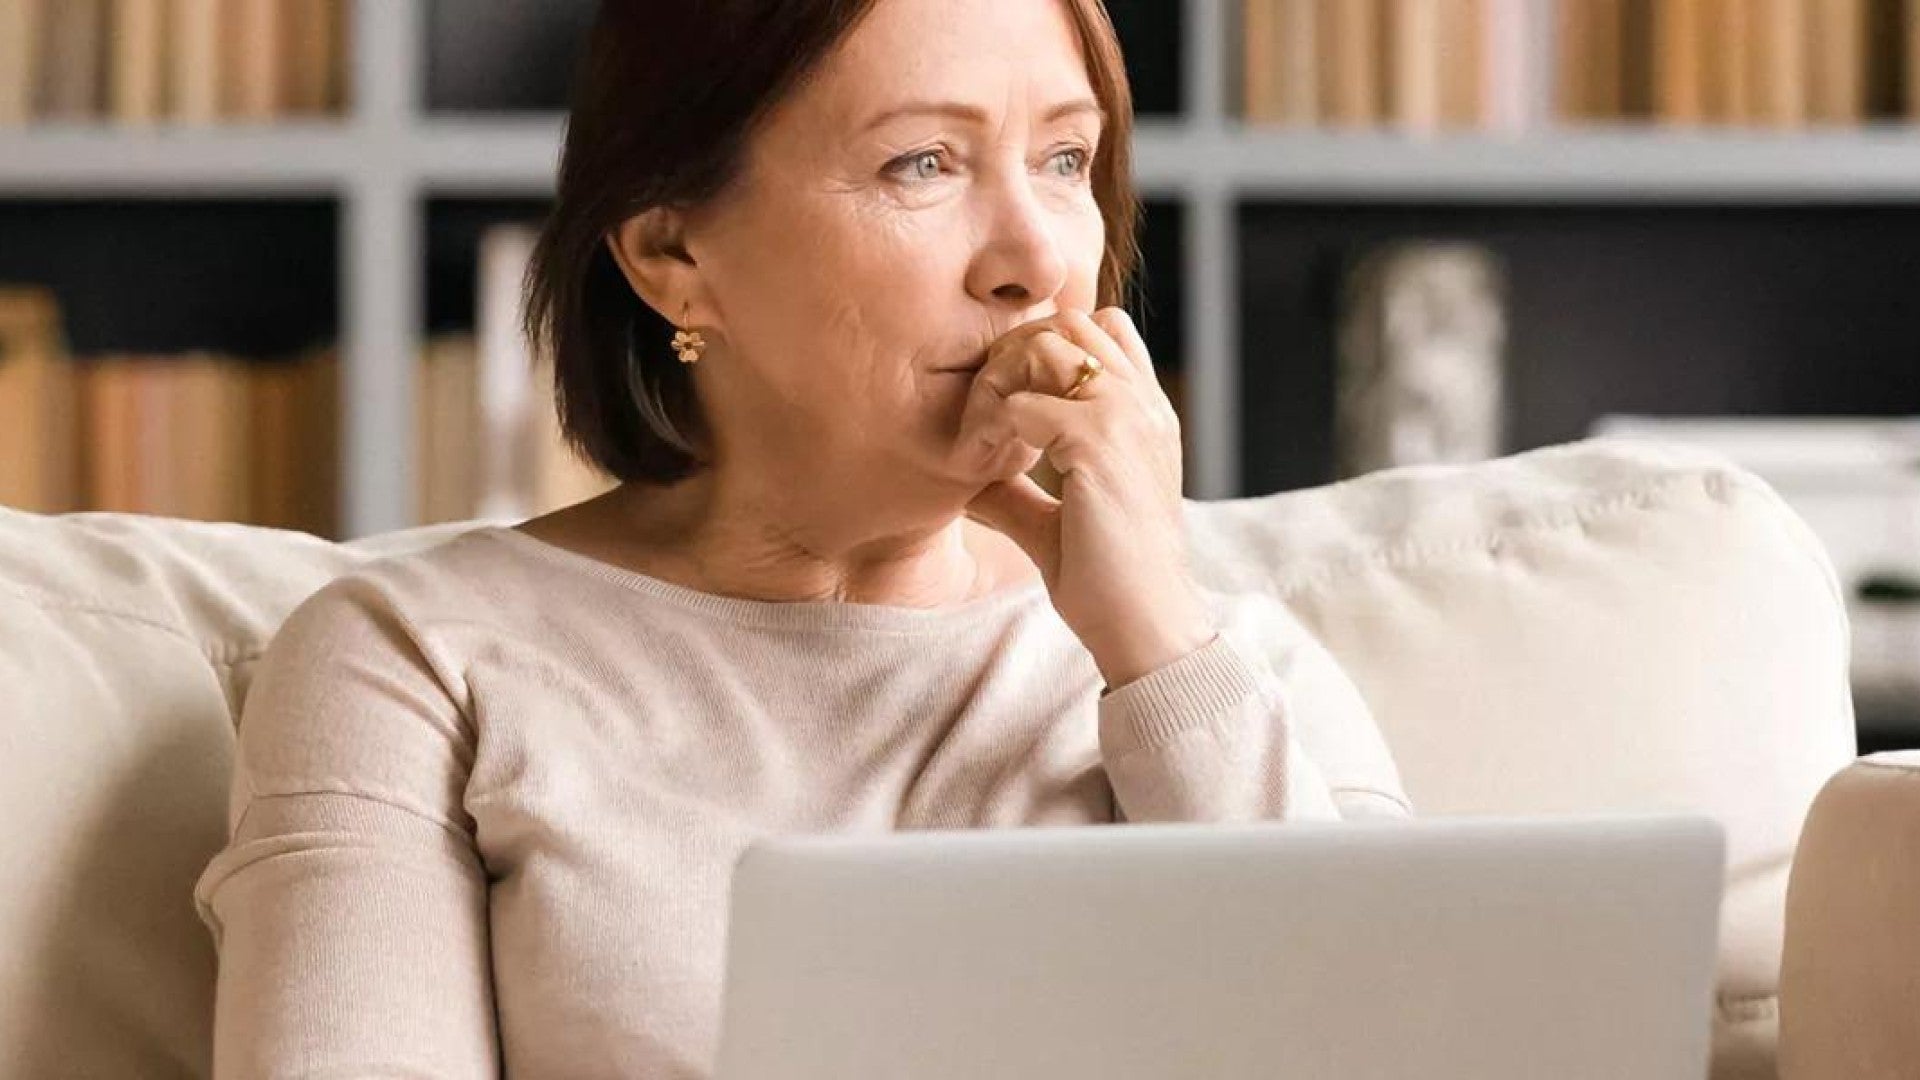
(488, 796)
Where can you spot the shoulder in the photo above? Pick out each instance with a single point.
(474, 575)
(388, 611)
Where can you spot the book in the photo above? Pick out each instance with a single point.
(136, 63)
(1590, 39)
(72, 61)
(1260, 60)
(1679, 40)
(526, 469)
(1837, 61)
(1351, 54)
(1463, 63)
(1727, 71)
(1605, 63)
(340, 56)
(1910, 41)
(195, 60)
(1780, 62)
(1280, 62)
(39, 470)
(112, 444)
(294, 441)
(448, 449)
(1637, 66)
(308, 30)
(1413, 76)
(1885, 61)
(252, 62)
(1522, 39)
(203, 400)
(1297, 46)
(165, 435)
(212, 437)
(19, 60)
(1572, 57)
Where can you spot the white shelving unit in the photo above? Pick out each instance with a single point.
(384, 160)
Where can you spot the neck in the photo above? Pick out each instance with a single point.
(732, 537)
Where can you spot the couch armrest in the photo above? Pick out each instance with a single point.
(1850, 974)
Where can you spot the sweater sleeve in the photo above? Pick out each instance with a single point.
(1261, 723)
(349, 907)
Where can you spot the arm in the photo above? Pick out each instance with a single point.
(1261, 723)
(349, 908)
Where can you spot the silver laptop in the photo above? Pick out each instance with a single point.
(1491, 948)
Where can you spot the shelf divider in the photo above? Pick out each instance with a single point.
(383, 240)
(1210, 259)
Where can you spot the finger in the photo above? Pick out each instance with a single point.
(1046, 361)
(1021, 510)
(1119, 326)
(1070, 433)
(1059, 362)
(1084, 331)
(1117, 323)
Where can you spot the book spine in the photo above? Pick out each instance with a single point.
(19, 60)
(253, 44)
(137, 69)
(1837, 61)
(1780, 59)
(194, 60)
(1412, 32)
(1297, 47)
(1679, 42)
(71, 71)
(1351, 53)
(1260, 61)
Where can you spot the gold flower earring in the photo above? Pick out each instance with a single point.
(688, 343)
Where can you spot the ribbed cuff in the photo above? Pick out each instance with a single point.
(1178, 697)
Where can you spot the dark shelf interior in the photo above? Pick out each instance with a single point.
(253, 278)
(504, 55)
(1661, 309)
(454, 229)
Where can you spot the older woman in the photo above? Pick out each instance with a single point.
(488, 797)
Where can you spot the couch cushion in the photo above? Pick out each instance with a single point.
(125, 644)
(1602, 626)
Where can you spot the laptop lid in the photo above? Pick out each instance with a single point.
(1494, 948)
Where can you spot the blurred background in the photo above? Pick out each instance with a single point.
(259, 259)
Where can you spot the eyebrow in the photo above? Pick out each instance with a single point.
(976, 114)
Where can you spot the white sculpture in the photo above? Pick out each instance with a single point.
(1422, 344)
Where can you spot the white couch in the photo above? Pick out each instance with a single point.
(1600, 626)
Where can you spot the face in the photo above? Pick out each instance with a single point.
(872, 249)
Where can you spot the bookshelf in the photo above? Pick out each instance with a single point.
(385, 162)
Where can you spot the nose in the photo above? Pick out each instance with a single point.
(1021, 262)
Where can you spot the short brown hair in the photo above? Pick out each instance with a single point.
(664, 102)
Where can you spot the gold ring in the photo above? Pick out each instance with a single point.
(1090, 368)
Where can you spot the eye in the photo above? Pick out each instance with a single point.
(918, 157)
(1083, 159)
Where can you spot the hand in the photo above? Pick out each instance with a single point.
(1112, 548)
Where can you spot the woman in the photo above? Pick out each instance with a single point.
(488, 797)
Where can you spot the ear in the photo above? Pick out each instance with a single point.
(650, 250)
